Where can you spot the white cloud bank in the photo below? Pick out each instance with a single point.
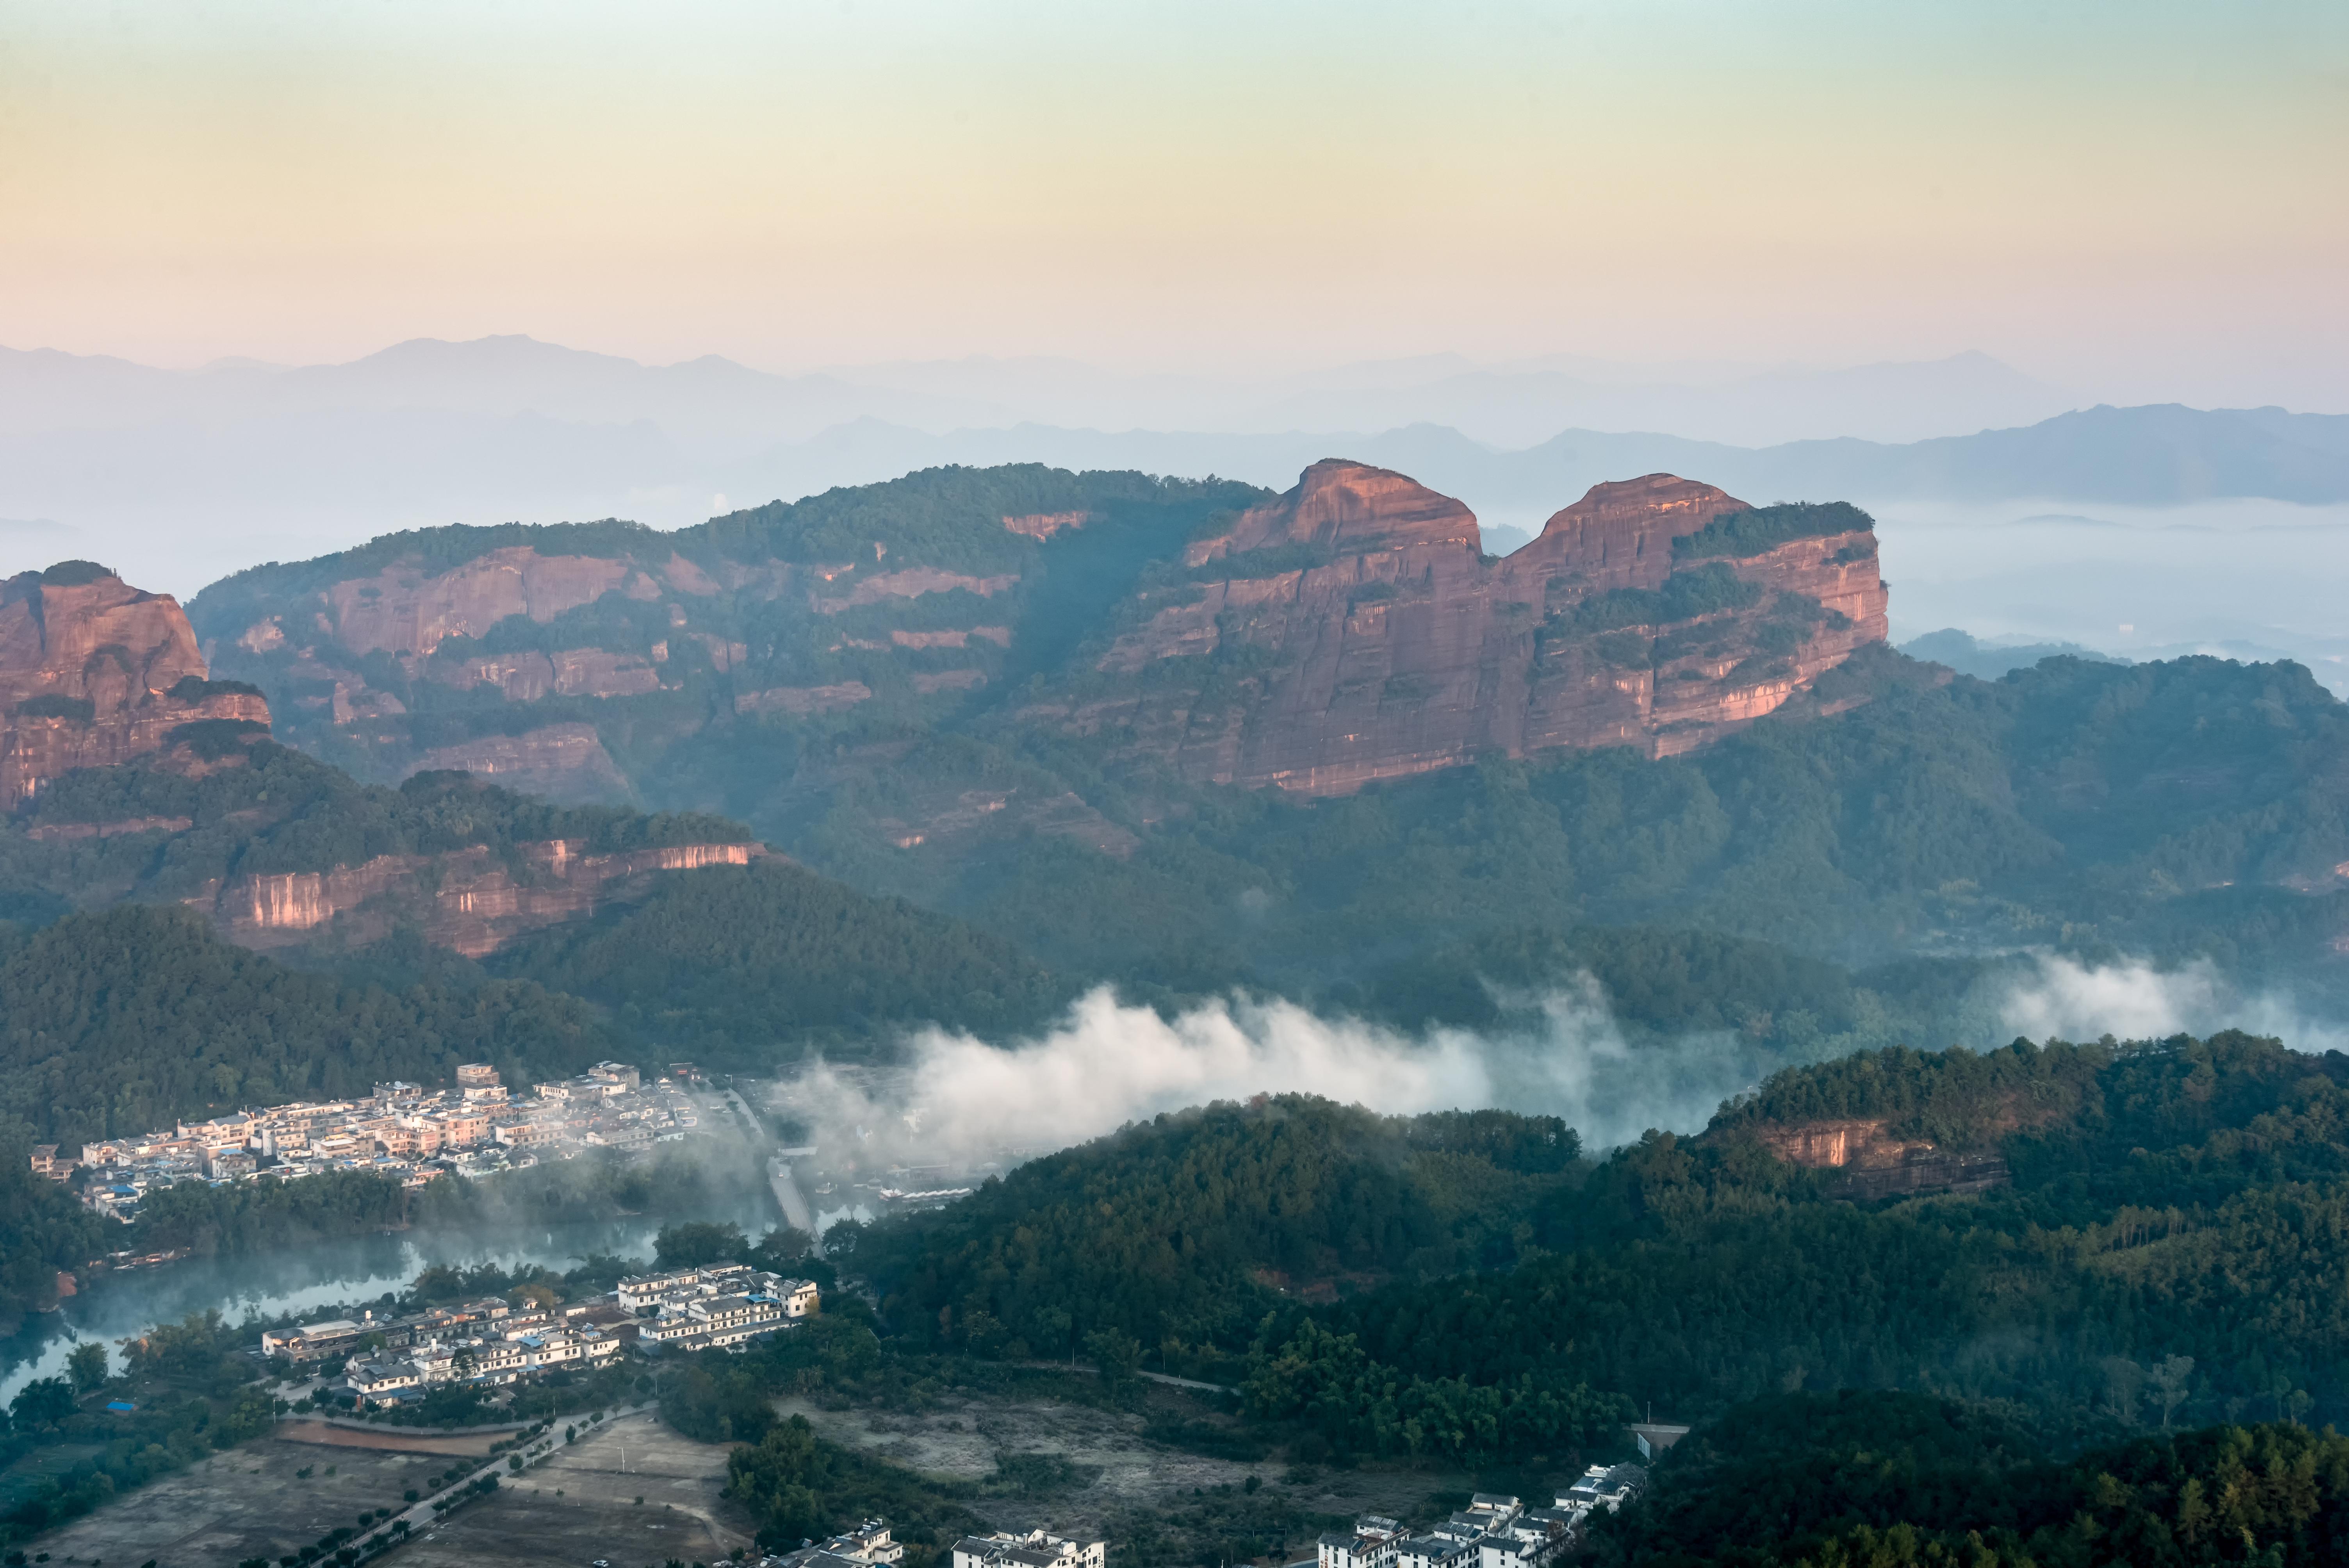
(2132, 1000)
(1107, 1064)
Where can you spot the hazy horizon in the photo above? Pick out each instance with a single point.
(2138, 202)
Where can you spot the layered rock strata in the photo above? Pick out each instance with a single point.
(94, 671)
(1353, 630)
(468, 900)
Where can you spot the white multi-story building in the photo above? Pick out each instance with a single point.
(1035, 1549)
(1533, 1537)
(715, 1307)
(1371, 1546)
(1604, 1486)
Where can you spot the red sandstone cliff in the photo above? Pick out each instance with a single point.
(1878, 1165)
(468, 900)
(1353, 630)
(93, 672)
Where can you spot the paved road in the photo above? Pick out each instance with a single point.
(787, 1193)
(1083, 1370)
(796, 1212)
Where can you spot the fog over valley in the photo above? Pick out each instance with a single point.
(930, 785)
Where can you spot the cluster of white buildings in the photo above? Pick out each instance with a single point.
(474, 1129)
(394, 1360)
(713, 1308)
(869, 1546)
(1033, 1549)
(1492, 1532)
(485, 1342)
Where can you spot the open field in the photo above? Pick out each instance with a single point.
(249, 1502)
(1115, 1472)
(245, 1502)
(596, 1514)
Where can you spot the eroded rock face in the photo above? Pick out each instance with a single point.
(564, 762)
(1877, 1165)
(94, 671)
(467, 900)
(356, 658)
(1353, 630)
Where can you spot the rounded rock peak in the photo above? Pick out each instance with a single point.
(1342, 505)
(1684, 506)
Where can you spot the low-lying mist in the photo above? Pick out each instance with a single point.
(2133, 1000)
(961, 1101)
(1108, 1063)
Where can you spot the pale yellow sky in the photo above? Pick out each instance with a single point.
(2137, 199)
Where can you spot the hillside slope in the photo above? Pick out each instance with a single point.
(2182, 1199)
(1015, 695)
(141, 781)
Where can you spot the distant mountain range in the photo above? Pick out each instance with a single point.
(196, 473)
(714, 407)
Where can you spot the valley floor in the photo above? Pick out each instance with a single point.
(245, 1502)
(249, 1502)
(1116, 1476)
(636, 1492)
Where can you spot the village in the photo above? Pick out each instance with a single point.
(391, 1361)
(477, 1128)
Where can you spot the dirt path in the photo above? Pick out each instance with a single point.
(394, 1439)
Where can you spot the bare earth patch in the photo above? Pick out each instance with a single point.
(245, 1502)
(394, 1440)
(965, 1438)
(525, 1523)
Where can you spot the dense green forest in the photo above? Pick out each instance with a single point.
(2168, 1246)
(1182, 1232)
(725, 962)
(1859, 1480)
(118, 1021)
(2176, 810)
(2178, 1204)
(43, 1232)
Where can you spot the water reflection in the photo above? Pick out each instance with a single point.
(307, 1279)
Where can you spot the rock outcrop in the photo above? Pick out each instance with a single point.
(1350, 631)
(563, 762)
(1353, 630)
(1877, 1165)
(468, 900)
(94, 671)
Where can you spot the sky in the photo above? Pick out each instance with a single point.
(2139, 201)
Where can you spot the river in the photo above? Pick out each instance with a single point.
(112, 1306)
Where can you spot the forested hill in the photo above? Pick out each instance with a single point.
(612, 662)
(904, 686)
(1861, 1479)
(2187, 1199)
(115, 1021)
(1181, 1231)
(728, 962)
